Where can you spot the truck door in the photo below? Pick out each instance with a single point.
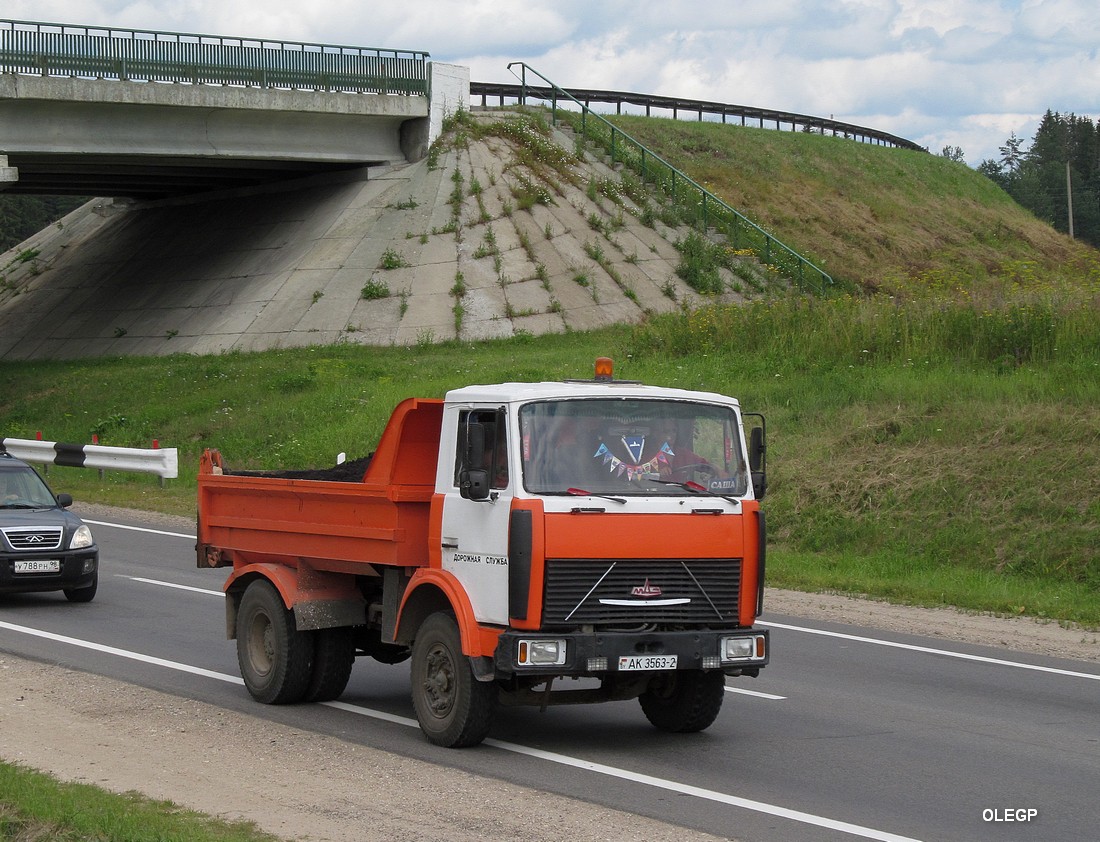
(475, 532)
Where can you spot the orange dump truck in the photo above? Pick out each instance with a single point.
(522, 543)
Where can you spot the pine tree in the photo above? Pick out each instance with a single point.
(1037, 177)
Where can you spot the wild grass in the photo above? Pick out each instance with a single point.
(874, 218)
(35, 806)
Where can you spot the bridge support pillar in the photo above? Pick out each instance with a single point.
(450, 92)
(7, 174)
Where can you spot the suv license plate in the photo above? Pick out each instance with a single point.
(38, 565)
(647, 662)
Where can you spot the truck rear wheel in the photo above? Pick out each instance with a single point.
(333, 657)
(454, 708)
(275, 658)
(684, 701)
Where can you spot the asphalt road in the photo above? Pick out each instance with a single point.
(848, 734)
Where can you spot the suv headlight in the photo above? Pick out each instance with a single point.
(81, 538)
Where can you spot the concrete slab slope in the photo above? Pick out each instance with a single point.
(420, 253)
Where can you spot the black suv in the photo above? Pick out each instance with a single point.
(42, 546)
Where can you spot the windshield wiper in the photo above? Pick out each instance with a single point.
(580, 492)
(693, 487)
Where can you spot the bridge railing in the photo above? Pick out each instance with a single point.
(56, 49)
(725, 112)
(705, 209)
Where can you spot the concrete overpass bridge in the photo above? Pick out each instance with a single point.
(99, 111)
(250, 184)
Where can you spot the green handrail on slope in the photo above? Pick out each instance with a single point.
(709, 210)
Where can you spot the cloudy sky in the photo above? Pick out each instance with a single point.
(965, 73)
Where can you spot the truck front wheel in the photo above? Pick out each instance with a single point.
(275, 658)
(684, 701)
(454, 708)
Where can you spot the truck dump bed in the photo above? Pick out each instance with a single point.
(330, 524)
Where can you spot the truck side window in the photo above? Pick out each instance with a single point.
(496, 443)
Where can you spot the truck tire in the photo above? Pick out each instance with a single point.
(685, 700)
(454, 708)
(333, 657)
(275, 658)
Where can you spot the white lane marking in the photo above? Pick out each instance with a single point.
(139, 529)
(552, 757)
(931, 651)
(706, 794)
(756, 693)
(122, 653)
(173, 585)
(659, 783)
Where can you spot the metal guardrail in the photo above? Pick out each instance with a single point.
(163, 462)
(72, 50)
(763, 117)
(707, 210)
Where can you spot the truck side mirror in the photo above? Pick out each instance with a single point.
(757, 449)
(473, 484)
(473, 476)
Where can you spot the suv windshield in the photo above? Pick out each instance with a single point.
(622, 447)
(22, 488)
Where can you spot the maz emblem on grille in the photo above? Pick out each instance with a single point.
(645, 595)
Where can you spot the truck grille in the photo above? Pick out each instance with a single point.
(33, 538)
(633, 591)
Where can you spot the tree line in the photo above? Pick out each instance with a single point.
(1039, 179)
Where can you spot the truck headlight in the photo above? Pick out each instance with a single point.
(747, 648)
(541, 652)
(81, 538)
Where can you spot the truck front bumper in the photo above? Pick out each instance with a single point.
(734, 651)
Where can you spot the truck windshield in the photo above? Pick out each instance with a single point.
(623, 447)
